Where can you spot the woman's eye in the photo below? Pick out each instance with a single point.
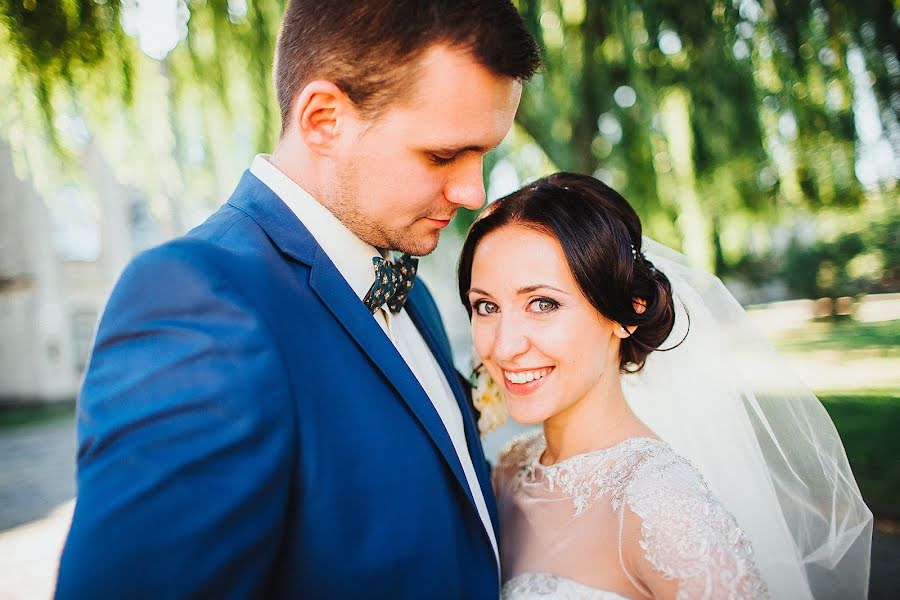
(544, 305)
(483, 307)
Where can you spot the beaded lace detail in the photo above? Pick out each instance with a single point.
(686, 534)
(579, 476)
(546, 585)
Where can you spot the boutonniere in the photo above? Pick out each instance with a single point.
(487, 399)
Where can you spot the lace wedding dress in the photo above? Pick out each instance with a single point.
(631, 521)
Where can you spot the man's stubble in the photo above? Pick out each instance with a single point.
(347, 205)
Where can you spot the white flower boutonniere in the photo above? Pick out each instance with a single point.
(487, 400)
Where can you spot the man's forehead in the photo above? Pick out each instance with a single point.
(445, 74)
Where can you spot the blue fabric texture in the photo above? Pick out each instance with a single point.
(247, 430)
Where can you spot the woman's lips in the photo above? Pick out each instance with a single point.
(522, 383)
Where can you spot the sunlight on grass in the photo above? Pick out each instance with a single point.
(874, 339)
(854, 369)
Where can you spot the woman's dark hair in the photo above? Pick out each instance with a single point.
(600, 235)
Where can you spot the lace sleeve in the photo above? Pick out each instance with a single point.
(678, 541)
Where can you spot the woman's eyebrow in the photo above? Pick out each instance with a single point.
(538, 286)
(522, 290)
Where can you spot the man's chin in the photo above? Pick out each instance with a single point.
(415, 240)
(419, 246)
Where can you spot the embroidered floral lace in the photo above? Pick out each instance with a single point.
(635, 520)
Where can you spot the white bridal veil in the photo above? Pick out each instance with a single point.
(725, 400)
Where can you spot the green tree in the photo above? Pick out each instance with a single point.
(705, 111)
(706, 114)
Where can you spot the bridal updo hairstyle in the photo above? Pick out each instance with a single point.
(600, 235)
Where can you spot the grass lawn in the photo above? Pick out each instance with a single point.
(869, 425)
(854, 368)
(27, 415)
(881, 338)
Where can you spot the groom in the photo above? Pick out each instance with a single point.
(270, 410)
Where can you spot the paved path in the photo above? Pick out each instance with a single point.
(37, 470)
(37, 484)
(29, 555)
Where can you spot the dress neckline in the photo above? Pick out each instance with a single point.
(538, 444)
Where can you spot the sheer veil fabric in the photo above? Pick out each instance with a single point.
(763, 442)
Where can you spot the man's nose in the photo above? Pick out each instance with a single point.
(465, 186)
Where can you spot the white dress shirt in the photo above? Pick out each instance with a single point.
(353, 259)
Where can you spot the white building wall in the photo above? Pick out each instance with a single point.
(37, 346)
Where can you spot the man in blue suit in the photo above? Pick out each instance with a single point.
(270, 408)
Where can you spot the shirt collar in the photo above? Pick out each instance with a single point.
(351, 255)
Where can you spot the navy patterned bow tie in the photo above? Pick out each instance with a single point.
(393, 282)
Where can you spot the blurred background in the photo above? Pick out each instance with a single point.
(759, 137)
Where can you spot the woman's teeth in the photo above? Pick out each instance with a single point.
(525, 376)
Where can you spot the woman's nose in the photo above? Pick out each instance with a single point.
(511, 340)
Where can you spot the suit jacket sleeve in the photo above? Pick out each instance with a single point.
(186, 438)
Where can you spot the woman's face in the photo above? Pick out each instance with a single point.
(539, 337)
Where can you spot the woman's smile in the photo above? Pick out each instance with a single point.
(522, 382)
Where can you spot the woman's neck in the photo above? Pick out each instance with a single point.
(599, 420)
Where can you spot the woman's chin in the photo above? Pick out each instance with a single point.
(525, 412)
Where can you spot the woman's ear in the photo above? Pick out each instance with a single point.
(640, 305)
(319, 113)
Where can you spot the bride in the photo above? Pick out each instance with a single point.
(677, 459)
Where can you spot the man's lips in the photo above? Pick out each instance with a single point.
(440, 222)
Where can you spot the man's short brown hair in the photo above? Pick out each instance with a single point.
(369, 48)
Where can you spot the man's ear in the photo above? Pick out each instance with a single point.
(640, 305)
(320, 113)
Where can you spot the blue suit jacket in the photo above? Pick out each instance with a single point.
(246, 429)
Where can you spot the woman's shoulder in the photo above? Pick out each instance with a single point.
(658, 466)
(520, 450)
(664, 482)
(684, 533)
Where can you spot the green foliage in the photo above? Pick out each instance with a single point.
(61, 44)
(740, 110)
(855, 262)
(769, 107)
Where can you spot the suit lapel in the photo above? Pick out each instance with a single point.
(462, 395)
(336, 294)
(287, 232)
